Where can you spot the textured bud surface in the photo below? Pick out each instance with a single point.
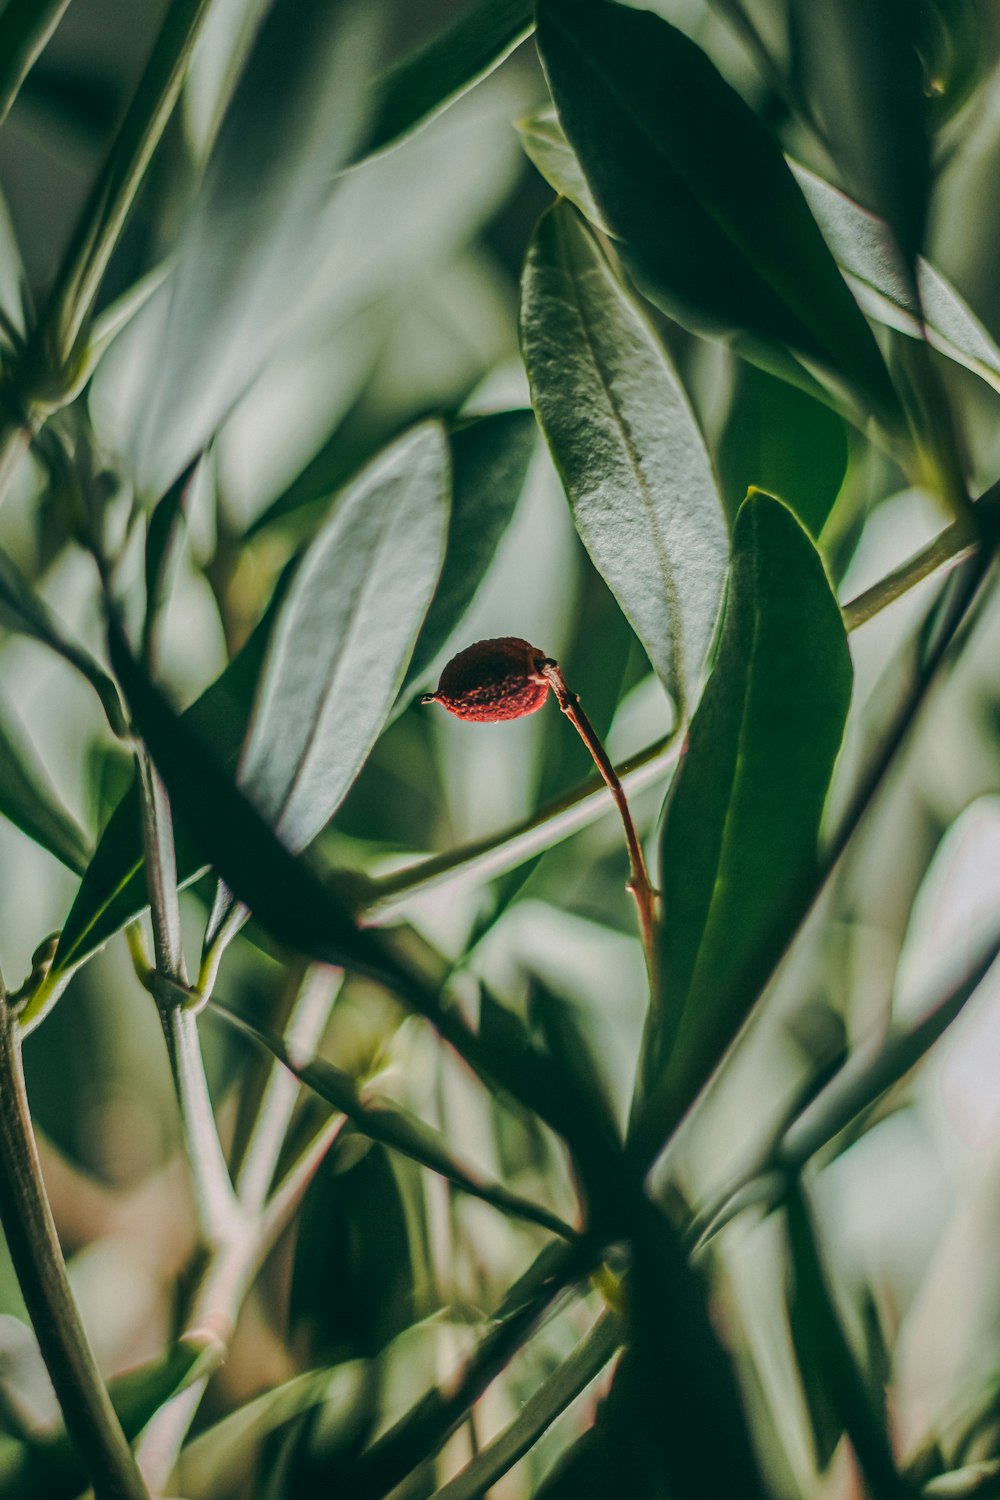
(492, 680)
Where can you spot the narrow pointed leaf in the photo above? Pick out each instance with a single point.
(422, 84)
(831, 1367)
(24, 611)
(863, 246)
(860, 64)
(391, 1125)
(545, 143)
(255, 229)
(627, 448)
(738, 854)
(25, 27)
(489, 464)
(710, 219)
(32, 805)
(345, 634)
(861, 243)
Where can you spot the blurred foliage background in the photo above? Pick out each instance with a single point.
(388, 295)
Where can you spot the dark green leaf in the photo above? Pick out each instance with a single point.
(160, 536)
(673, 1419)
(831, 1370)
(344, 635)
(780, 440)
(709, 217)
(956, 52)
(353, 1286)
(859, 64)
(865, 251)
(435, 74)
(31, 804)
(25, 27)
(489, 464)
(738, 853)
(255, 231)
(627, 448)
(24, 611)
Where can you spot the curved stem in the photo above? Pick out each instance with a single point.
(41, 1272)
(639, 882)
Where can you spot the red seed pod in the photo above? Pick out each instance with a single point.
(492, 680)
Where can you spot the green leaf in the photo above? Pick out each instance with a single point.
(864, 248)
(673, 1420)
(344, 636)
(403, 489)
(30, 802)
(52, 1469)
(255, 230)
(395, 1127)
(710, 219)
(353, 1287)
(779, 439)
(627, 447)
(306, 914)
(859, 64)
(25, 27)
(831, 1369)
(24, 611)
(569, 1380)
(738, 852)
(422, 84)
(489, 464)
(547, 147)
(161, 534)
(113, 890)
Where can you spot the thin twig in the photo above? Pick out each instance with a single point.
(310, 1013)
(639, 882)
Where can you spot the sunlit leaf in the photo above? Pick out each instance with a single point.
(545, 143)
(391, 1125)
(256, 227)
(738, 852)
(627, 447)
(864, 248)
(344, 636)
(709, 218)
(27, 799)
(489, 463)
(431, 77)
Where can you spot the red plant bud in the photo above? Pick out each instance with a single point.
(492, 680)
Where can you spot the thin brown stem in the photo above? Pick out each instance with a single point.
(639, 882)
